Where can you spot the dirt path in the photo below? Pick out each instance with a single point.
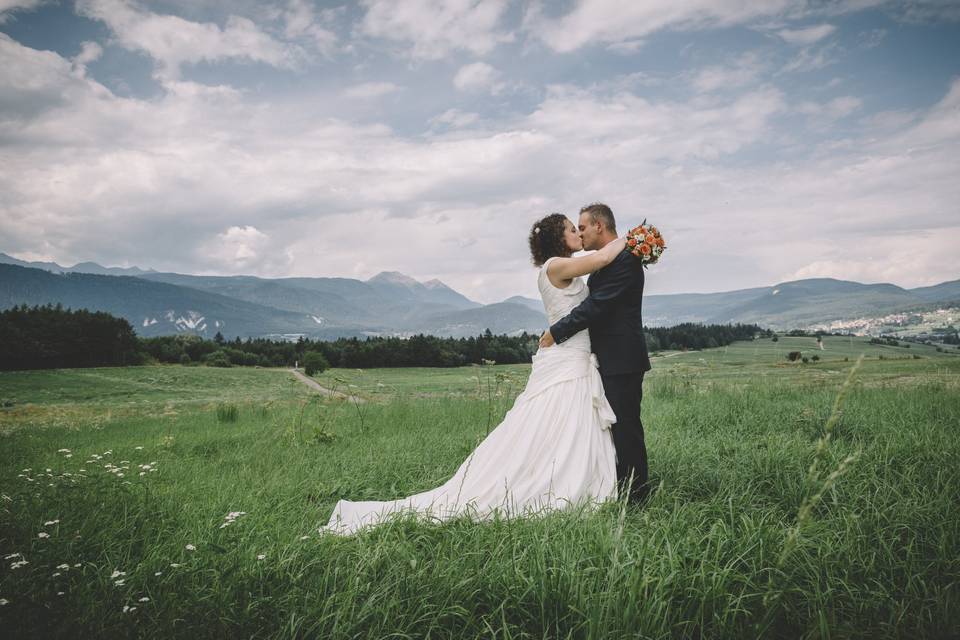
(313, 384)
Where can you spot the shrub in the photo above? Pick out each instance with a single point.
(185, 359)
(218, 358)
(314, 362)
(776, 338)
(815, 358)
(805, 359)
(793, 356)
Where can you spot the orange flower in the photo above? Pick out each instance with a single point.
(644, 249)
(632, 242)
(649, 239)
(660, 242)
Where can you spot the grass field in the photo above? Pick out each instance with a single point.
(115, 485)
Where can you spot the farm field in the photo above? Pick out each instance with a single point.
(175, 501)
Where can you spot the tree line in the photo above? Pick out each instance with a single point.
(50, 336)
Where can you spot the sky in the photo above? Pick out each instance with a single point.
(769, 141)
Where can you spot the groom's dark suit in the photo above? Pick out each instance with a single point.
(613, 313)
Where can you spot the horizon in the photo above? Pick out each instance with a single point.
(770, 143)
(426, 282)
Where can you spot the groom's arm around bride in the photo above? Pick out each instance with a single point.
(613, 314)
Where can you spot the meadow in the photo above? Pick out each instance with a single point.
(794, 500)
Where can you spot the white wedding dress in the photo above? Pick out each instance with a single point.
(552, 450)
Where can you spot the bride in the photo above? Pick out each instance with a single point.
(554, 447)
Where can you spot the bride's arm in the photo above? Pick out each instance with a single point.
(568, 268)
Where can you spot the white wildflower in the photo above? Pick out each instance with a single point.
(63, 566)
(4, 602)
(261, 556)
(117, 574)
(119, 583)
(59, 593)
(190, 547)
(11, 556)
(18, 564)
(175, 564)
(49, 523)
(77, 565)
(304, 537)
(43, 534)
(138, 448)
(144, 599)
(55, 574)
(158, 573)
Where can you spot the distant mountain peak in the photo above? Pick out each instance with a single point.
(394, 277)
(435, 284)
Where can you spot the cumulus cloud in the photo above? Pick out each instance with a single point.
(455, 118)
(370, 90)
(806, 35)
(9, 7)
(612, 21)
(477, 76)
(743, 71)
(212, 179)
(173, 41)
(431, 29)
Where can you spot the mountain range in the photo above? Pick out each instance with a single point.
(391, 303)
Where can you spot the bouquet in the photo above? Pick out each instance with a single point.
(646, 243)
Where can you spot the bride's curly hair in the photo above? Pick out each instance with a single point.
(546, 239)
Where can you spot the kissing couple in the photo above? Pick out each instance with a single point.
(573, 436)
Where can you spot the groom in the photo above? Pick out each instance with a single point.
(612, 312)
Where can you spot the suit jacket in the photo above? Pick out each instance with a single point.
(613, 313)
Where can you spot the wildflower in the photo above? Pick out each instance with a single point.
(77, 565)
(11, 556)
(143, 473)
(63, 566)
(18, 564)
(261, 556)
(119, 583)
(55, 574)
(63, 450)
(128, 609)
(304, 537)
(4, 602)
(69, 455)
(190, 547)
(43, 534)
(175, 564)
(51, 522)
(59, 593)
(117, 574)
(138, 448)
(158, 573)
(144, 599)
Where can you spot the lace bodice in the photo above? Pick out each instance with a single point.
(560, 302)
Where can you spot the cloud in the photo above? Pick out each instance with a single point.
(806, 35)
(300, 21)
(477, 76)
(434, 28)
(828, 112)
(173, 41)
(612, 21)
(10, 7)
(811, 59)
(743, 71)
(455, 118)
(370, 90)
(210, 179)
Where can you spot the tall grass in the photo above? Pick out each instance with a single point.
(718, 552)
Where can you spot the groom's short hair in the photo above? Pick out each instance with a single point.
(601, 213)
